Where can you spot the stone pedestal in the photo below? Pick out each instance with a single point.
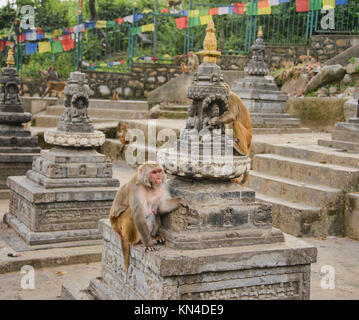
(17, 146)
(259, 93)
(345, 136)
(70, 187)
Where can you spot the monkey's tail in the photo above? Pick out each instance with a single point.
(125, 251)
(124, 242)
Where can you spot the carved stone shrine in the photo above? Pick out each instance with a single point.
(225, 247)
(345, 135)
(260, 94)
(17, 146)
(70, 186)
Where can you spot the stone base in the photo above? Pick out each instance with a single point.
(271, 271)
(20, 165)
(41, 215)
(345, 136)
(40, 238)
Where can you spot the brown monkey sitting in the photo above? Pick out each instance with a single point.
(135, 211)
(239, 119)
(192, 63)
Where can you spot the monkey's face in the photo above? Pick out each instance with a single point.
(156, 176)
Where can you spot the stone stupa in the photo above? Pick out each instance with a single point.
(70, 186)
(226, 247)
(260, 94)
(17, 146)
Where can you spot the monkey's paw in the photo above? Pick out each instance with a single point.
(161, 239)
(150, 248)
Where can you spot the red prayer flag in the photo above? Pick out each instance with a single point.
(302, 5)
(182, 23)
(68, 44)
(213, 11)
(165, 10)
(2, 45)
(119, 20)
(239, 8)
(21, 37)
(67, 36)
(263, 4)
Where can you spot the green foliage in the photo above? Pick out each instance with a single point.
(7, 17)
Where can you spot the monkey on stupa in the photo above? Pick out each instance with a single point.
(136, 209)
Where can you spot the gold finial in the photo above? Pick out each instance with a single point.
(10, 58)
(260, 32)
(210, 52)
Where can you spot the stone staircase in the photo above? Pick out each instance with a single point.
(173, 112)
(306, 186)
(99, 111)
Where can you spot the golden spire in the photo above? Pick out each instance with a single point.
(210, 52)
(260, 32)
(10, 58)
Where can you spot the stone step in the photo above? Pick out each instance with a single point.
(290, 190)
(48, 121)
(315, 153)
(119, 104)
(293, 218)
(306, 171)
(103, 113)
(164, 114)
(174, 108)
(280, 130)
(258, 121)
(341, 145)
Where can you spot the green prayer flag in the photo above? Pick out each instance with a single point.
(110, 24)
(315, 4)
(56, 47)
(203, 12)
(252, 9)
(136, 30)
(194, 22)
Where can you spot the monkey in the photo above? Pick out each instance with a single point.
(121, 135)
(238, 118)
(136, 209)
(173, 3)
(192, 63)
(115, 95)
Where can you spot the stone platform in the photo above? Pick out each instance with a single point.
(268, 271)
(345, 136)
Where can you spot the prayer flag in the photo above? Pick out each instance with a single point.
(328, 4)
(30, 48)
(264, 8)
(30, 36)
(110, 24)
(56, 47)
(164, 10)
(252, 9)
(182, 23)
(44, 46)
(223, 10)
(119, 20)
(137, 17)
(193, 13)
(205, 19)
(273, 3)
(128, 19)
(184, 13)
(315, 4)
(2, 45)
(148, 27)
(239, 8)
(101, 24)
(213, 11)
(194, 22)
(90, 25)
(203, 12)
(302, 5)
(68, 44)
(339, 2)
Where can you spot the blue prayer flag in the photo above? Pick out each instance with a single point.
(30, 48)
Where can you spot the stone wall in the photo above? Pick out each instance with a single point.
(278, 56)
(324, 47)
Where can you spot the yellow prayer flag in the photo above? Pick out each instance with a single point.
(48, 35)
(266, 10)
(135, 59)
(57, 32)
(205, 19)
(193, 13)
(101, 24)
(44, 46)
(147, 11)
(148, 27)
(328, 4)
